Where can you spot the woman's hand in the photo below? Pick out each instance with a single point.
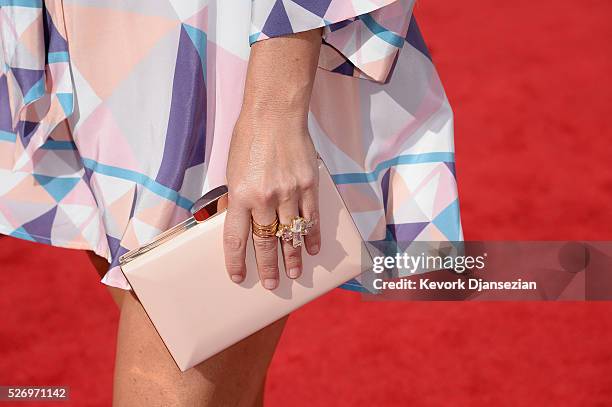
(272, 167)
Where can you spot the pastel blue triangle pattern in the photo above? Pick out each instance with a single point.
(21, 233)
(58, 188)
(448, 221)
(36, 91)
(66, 100)
(198, 37)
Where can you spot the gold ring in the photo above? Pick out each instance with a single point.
(295, 231)
(264, 231)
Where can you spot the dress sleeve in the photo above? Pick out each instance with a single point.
(361, 38)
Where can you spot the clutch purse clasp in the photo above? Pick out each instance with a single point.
(209, 205)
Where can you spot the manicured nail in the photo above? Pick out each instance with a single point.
(270, 283)
(237, 278)
(315, 249)
(294, 272)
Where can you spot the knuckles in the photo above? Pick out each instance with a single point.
(232, 242)
(274, 189)
(308, 182)
(286, 190)
(267, 195)
(293, 258)
(314, 215)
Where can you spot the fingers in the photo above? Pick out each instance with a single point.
(309, 207)
(266, 250)
(295, 199)
(235, 234)
(292, 256)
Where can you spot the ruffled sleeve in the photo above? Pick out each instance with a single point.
(361, 38)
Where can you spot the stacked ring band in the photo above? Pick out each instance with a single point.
(265, 231)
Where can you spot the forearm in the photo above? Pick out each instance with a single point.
(281, 74)
(272, 171)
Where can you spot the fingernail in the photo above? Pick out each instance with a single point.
(294, 272)
(269, 283)
(237, 278)
(315, 248)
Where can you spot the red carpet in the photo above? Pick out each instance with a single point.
(530, 86)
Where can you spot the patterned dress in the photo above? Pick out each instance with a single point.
(116, 115)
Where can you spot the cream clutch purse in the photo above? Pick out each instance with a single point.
(181, 281)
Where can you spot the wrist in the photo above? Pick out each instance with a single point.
(280, 75)
(287, 102)
(272, 121)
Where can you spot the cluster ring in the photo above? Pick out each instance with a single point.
(295, 231)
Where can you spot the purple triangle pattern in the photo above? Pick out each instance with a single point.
(6, 120)
(53, 40)
(186, 134)
(26, 78)
(414, 38)
(406, 232)
(318, 7)
(339, 25)
(27, 130)
(116, 250)
(451, 167)
(384, 186)
(347, 68)
(40, 228)
(278, 21)
(134, 200)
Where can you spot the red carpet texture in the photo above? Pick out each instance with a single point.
(530, 84)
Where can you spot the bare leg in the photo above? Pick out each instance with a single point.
(146, 375)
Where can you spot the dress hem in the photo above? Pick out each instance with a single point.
(349, 286)
(58, 243)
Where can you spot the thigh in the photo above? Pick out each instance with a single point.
(101, 266)
(145, 374)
